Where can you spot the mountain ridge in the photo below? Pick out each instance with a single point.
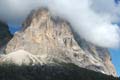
(52, 40)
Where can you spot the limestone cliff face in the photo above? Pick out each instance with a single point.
(52, 40)
(5, 34)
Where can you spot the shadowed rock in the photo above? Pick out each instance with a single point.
(5, 35)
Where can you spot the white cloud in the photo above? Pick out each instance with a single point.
(91, 19)
(108, 7)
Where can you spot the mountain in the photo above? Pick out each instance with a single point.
(5, 35)
(48, 39)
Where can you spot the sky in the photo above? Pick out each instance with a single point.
(115, 54)
(96, 21)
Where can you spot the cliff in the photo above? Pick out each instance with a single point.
(50, 40)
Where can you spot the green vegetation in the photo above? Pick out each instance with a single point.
(50, 72)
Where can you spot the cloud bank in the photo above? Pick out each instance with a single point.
(94, 20)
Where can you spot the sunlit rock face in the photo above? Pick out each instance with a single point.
(5, 34)
(52, 40)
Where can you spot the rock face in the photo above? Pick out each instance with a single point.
(5, 34)
(52, 40)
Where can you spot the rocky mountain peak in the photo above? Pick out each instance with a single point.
(51, 40)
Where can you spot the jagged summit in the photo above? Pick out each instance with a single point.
(51, 40)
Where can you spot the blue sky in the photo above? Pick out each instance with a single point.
(13, 28)
(115, 53)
